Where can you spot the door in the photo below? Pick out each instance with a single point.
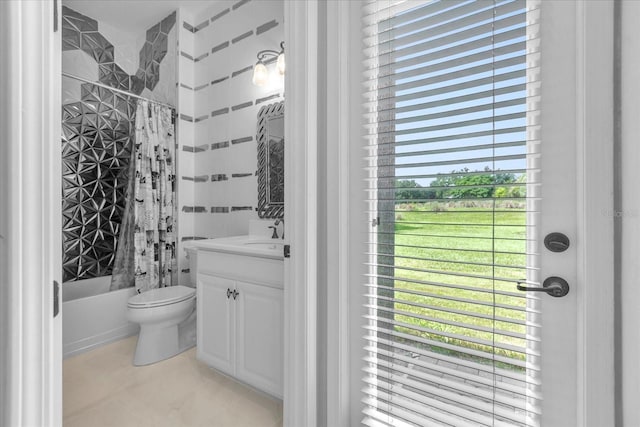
(472, 160)
(30, 215)
(259, 338)
(216, 322)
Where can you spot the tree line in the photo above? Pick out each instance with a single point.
(465, 184)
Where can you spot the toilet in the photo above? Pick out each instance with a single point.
(167, 322)
(167, 318)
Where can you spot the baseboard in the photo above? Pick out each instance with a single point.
(86, 344)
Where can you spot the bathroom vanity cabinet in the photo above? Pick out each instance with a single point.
(240, 317)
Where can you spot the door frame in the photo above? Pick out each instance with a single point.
(594, 222)
(30, 214)
(301, 214)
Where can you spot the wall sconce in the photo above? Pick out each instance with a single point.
(260, 72)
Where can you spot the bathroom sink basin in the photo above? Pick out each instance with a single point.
(249, 245)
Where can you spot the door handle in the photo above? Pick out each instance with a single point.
(554, 286)
(235, 294)
(228, 293)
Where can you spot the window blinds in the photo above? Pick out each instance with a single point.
(450, 107)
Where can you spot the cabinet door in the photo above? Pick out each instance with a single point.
(216, 326)
(259, 338)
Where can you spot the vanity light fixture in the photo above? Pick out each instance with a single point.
(260, 72)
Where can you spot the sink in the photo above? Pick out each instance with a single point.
(243, 245)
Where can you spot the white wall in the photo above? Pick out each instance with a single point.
(185, 128)
(630, 213)
(227, 38)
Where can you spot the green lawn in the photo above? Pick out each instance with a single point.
(470, 247)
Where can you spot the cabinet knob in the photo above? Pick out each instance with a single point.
(229, 293)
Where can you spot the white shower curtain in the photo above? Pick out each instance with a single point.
(155, 197)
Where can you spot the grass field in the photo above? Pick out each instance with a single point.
(471, 249)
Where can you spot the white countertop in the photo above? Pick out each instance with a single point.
(247, 245)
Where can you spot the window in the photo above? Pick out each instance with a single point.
(451, 111)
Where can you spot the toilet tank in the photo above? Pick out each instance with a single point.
(192, 256)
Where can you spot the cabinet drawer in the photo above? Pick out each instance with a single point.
(264, 271)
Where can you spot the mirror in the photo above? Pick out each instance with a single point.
(270, 137)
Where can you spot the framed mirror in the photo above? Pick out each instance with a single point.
(270, 137)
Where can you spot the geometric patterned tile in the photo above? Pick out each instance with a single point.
(152, 75)
(70, 37)
(78, 21)
(112, 75)
(137, 82)
(153, 32)
(159, 47)
(167, 23)
(146, 55)
(95, 158)
(97, 138)
(152, 53)
(97, 46)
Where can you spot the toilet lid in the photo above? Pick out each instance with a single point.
(161, 296)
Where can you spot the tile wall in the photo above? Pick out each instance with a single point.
(226, 39)
(185, 153)
(97, 126)
(217, 107)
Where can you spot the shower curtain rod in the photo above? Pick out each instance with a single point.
(124, 92)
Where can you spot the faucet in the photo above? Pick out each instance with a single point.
(278, 221)
(275, 231)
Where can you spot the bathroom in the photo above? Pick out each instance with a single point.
(393, 310)
(195, 62)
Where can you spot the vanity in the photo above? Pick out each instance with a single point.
(240, 309)
(240, 280)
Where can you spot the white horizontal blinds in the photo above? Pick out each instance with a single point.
(450, 106)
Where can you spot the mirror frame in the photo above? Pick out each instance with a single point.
(267, 209)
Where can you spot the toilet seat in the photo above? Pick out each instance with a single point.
(161, 297)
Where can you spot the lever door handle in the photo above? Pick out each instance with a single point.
(235, 294)
(554, 286)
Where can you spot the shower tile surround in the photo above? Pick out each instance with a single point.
(81, 32)
(223, 114)
(214, 139)
(96, 143)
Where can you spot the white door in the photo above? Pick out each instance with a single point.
(216, 322)
(30, 215)
(576, 174)
(558, 212)
(259, 338)
(475, 137)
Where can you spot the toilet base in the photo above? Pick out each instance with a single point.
(156, 343)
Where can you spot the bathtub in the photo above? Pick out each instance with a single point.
(92, 316)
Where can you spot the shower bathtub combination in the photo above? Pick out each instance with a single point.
(92, 316)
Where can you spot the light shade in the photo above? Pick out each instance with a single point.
(260, 74)
(280, 63)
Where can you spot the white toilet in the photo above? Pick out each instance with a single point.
(167, 318)
(167, 322)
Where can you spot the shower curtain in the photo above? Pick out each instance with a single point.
(146, 250)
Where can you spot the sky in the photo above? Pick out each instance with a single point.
(505, 50)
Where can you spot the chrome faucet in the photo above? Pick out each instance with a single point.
(275, 231)
(278, 221)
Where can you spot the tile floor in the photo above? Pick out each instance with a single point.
(103, 388)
